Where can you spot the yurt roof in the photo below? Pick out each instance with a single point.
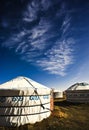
(79, 86)
(22, 83)
(57, 90)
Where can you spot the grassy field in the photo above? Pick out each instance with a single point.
(66, 116)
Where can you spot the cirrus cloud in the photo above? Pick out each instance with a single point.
(41, 43)
(58, 57)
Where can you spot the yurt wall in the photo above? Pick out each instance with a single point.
(58, 94)
(78, 96)
(24, 101)
(78, 92)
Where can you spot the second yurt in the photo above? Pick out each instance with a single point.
(24, 101)
(78, 92)
(57, 94)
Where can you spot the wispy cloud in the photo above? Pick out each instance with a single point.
(46, 4)
(31, 12)
(22, 48)
(66, 24)
(58, 58)
(33, 9)
(42, 43)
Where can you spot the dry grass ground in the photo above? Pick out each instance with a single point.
(66, 116)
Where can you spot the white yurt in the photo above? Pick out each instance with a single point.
(78, 92)
(23, 101)
(57, 94)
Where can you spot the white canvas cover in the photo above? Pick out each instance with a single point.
(78, 92)
(79, 86)
(58, 94)
(23, 101)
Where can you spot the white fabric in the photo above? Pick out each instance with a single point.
(79, 86)
(23, 101)
(58, 93)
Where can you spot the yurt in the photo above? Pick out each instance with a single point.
(57, 94)
(78, 92)
(23, 101)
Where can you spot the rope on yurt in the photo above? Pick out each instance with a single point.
(29, 83)
(35, 90)
(45, 107)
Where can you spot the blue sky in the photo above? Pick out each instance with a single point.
(45, 40)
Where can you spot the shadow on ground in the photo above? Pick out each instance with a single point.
(66, 103)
